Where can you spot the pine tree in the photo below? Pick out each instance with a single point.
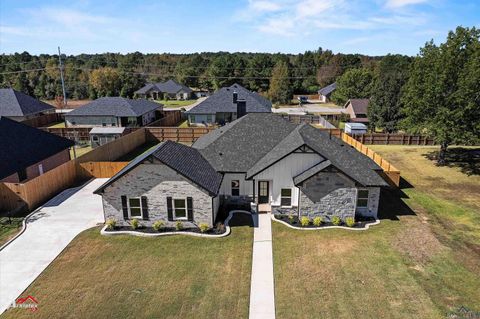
(280, 88)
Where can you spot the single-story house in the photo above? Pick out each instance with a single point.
(114, 111)
(260, 159)
(27, 152)
(357, 109)
(325, 93)
(171, 89)
(227, 104)
(19, 106)
(103, 135)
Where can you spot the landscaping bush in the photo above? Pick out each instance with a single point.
(304, 221)
(111, 223)
(203, 227)
(317, 221)
(158, 225)
(134, 223)
(291, 218)
(336, 220)
(178, 225)
(350, 221)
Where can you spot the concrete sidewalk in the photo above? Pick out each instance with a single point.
(262, 291)
(48, 232)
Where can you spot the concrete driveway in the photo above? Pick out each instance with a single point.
(49, 230)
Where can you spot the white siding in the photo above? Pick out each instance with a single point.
(281, 174)
(246, 187)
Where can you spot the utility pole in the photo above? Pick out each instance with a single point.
(60, 66)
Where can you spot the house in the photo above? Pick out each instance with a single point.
(227, 104)
(103, 135)
(114, 111)
(325, 93)
(19, 106)
(171, 89)
(260, 159)
(357, 109)
(27, 152)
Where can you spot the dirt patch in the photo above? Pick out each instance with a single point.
(417, 241)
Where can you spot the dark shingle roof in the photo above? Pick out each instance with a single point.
(311, 171)
(328, 89)
(116, 106)
(15, 103)
(170, 86)
(184, 159)
(359, 106)
(22, 146)
(222, 101)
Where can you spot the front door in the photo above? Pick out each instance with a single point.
(263, 192)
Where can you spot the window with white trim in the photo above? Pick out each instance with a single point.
(362, 198)
(135, 207)
(179, 208)
(235, 188)
(286, 197)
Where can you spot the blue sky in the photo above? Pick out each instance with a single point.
(373, 27)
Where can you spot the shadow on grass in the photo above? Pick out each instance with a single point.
(467, 159)
(392, 204)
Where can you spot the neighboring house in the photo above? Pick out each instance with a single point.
(325, 93)
(357, 109)
(227, 104)
(114, 111)
(27, 152)
(158, 91)
(103, 135)
(19, 107)
(259, 158)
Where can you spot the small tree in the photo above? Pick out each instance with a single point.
(280, 90)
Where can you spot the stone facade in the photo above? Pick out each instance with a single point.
(340, 202)
(157, 181)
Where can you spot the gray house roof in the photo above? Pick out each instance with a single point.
(116, 106)
(359, 106)
(186, 160)
(15, 103)
(328, 89)
(170, 86)
(22, 146)
(257, 141)
(222, 101)
(311, 172)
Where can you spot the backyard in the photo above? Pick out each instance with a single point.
(422, 263)
(176, 103)
(163, 277)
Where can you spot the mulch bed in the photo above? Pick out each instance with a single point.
(150, 230)
(360, 222)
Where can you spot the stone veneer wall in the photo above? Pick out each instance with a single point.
(340, 202)
(157, 182)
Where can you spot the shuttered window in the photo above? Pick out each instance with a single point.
(180, 208)
(135, 207)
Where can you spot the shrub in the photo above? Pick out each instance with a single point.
(158, 225)
(317, 221)
(178, 225)
(291, 218)
(336, 220)
(304, 221)
(350, 221)
(111, 223)
(203, 227)
(134, 223)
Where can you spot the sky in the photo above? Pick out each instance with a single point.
(373, 27)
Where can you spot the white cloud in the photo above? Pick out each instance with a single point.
(402, 3)
(264, 6)
(309, 8)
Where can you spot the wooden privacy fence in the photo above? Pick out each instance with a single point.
(44, 120)
(172, 118)
(103, 169)
(393, 139)
(391, 171)
(308, 119)
(179, 134)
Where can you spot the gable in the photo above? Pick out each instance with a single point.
(325, 182)
(290, 166)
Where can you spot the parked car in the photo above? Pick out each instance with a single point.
(303, 99)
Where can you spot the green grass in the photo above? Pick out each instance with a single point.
(79, 151)
(58, 125)
(184, 124)
(422, 265)
(133, 277)
(176, 103)
(9, 228)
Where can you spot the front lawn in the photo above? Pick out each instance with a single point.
(415, 264)
(133, 277)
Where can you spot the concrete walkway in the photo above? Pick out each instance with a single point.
(48, 232)
(262, 291)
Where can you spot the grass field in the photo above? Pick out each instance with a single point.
(134, 277)
(9, 229)
(176, 103)
(416, 264)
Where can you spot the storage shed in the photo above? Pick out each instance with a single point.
(355, 128)
(102, 135)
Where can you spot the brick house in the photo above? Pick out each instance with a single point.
(27, 152)
(260, 159)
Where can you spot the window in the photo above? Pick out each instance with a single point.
(135, 207)
(362, 198)
(192, 118)
(286, 197)
(180, 208)
(209, 118)
(236, 188)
